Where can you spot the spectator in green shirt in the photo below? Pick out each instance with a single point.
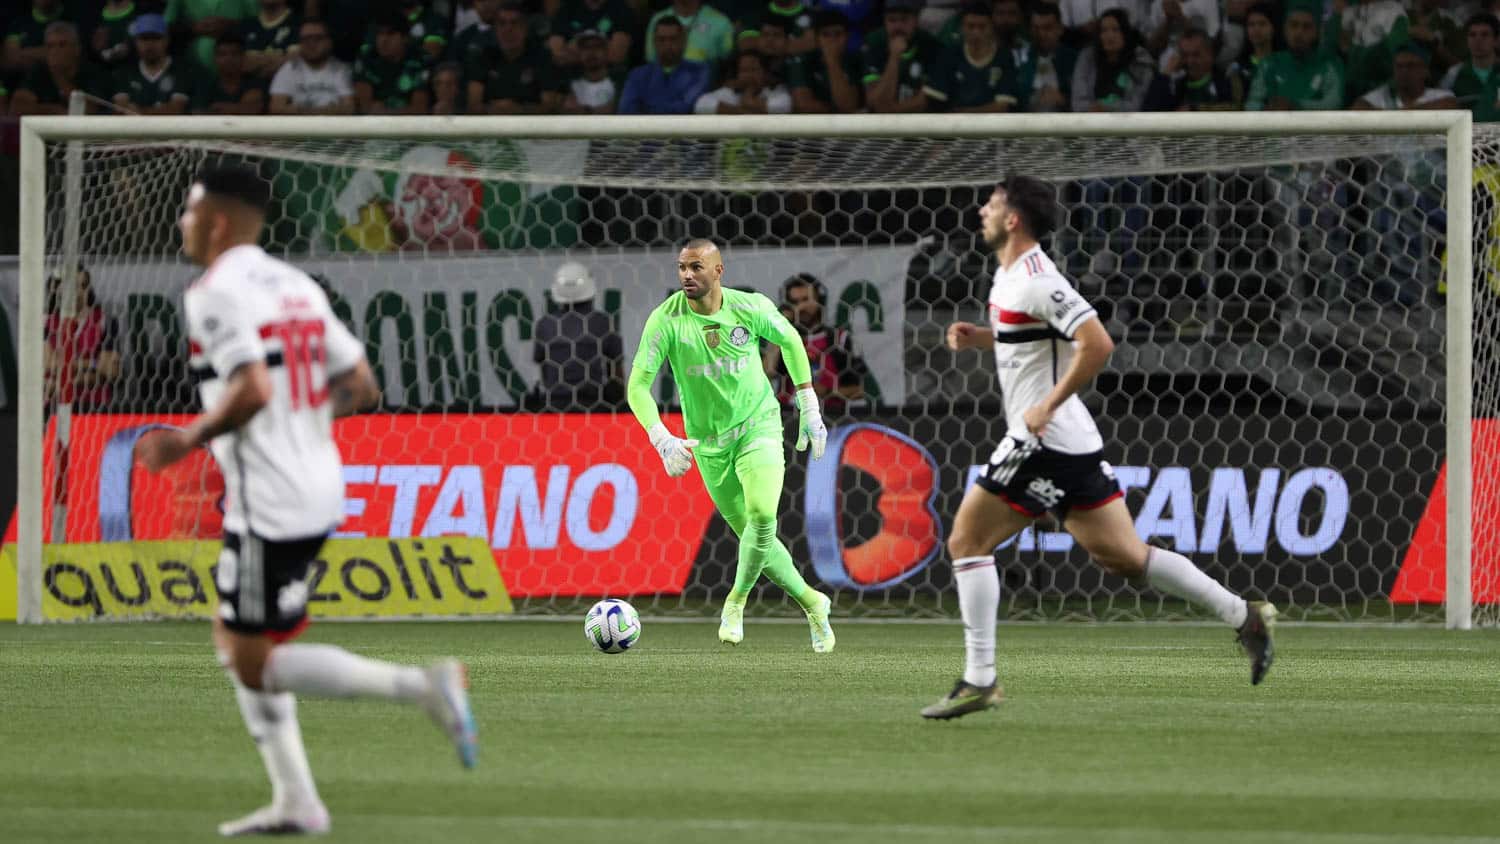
(110, 40)
(1366, 33)
(710, 35)
(426, 28)
(391, 79)
(796, 16)
(201, 22)
(1301, 77)
(270, 38)
(46, 88)
(897, 60)
(513, 75)
(826, 80)
(25, 42)
(1047, 75)
(772, 43)
(153, 84)
(611, 18)
(230, 90)
(978, 77)
(1475, 82)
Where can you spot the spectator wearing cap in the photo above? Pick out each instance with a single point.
(670, 84)
(110, 40)
(611, 18)
(1408, 86)
(270, 38)
(446, 89)
(577, 348)
(199, 23)
(154, 83)
(897, 60)
(230, 90)
(796, 16)
(1169, 19)
(979, 76)
(46, 88)
(25, 41)
(1475, 82)
(313, 81)
(1047, 75)
(826, 80)
(750, 92)
(469, 41)
(1197, 85)
(1114, 73)
(594, 90)
(513, 75)
(391, 79)
(1301, 77)
(708, 34)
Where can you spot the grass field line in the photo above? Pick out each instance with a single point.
(431, 824)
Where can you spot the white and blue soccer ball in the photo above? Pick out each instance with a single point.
(612, 626)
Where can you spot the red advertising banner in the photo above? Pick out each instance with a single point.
(1424, 571)
(571, 504)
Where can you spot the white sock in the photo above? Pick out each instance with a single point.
(1176, 575)
(979, 603)
(330, 671)
(272, 721)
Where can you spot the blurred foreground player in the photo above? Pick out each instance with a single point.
(1049, 344)
(275, 367)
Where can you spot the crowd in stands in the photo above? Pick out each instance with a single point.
(747, 56)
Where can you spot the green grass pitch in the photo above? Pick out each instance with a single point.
(1112, 733)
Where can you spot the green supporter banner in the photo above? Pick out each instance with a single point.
(456, 331)
(420, 205)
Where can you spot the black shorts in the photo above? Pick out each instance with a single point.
(1033, 479)
(263, 584)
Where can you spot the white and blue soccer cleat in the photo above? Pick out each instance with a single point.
(447, 702)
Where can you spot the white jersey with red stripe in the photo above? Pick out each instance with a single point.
(283, 477)
(1034, 313)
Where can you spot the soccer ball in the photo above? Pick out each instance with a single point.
(612, 626)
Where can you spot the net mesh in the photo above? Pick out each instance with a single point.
(1274, 407)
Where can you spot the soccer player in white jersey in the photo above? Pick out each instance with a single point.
(1049, 344)
(275, 367)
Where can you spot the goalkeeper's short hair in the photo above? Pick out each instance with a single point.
(1034, 201)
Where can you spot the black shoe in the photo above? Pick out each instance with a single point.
(965, 698)
(1255, 638)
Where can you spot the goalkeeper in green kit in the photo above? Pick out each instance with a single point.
(712, 337)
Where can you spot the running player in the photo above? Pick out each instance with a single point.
(1049, 344)
(711, 335)
(275, 367)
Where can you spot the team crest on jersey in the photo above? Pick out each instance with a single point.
(711, 336)
(739, 336)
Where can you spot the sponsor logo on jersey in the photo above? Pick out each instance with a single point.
(1044, 491)
(719, 367)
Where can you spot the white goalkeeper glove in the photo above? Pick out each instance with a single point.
(811, 429)
(676, 453)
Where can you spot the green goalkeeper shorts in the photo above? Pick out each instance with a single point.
(759, 446)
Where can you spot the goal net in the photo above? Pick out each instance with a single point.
(1277, 407)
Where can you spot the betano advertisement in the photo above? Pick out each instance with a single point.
(578, 505)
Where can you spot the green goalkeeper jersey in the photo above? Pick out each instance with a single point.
(716, 363)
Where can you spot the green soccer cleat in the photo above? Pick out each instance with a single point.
(964, 699)
(1255, 638)
(822, 632)
(732, 624)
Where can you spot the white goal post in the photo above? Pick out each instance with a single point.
(1037, 132)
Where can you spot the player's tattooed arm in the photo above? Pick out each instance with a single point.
(248, 390)
(354, 391)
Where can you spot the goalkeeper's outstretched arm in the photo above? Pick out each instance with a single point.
(638, 394)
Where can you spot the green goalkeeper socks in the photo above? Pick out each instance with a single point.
(782, 571)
